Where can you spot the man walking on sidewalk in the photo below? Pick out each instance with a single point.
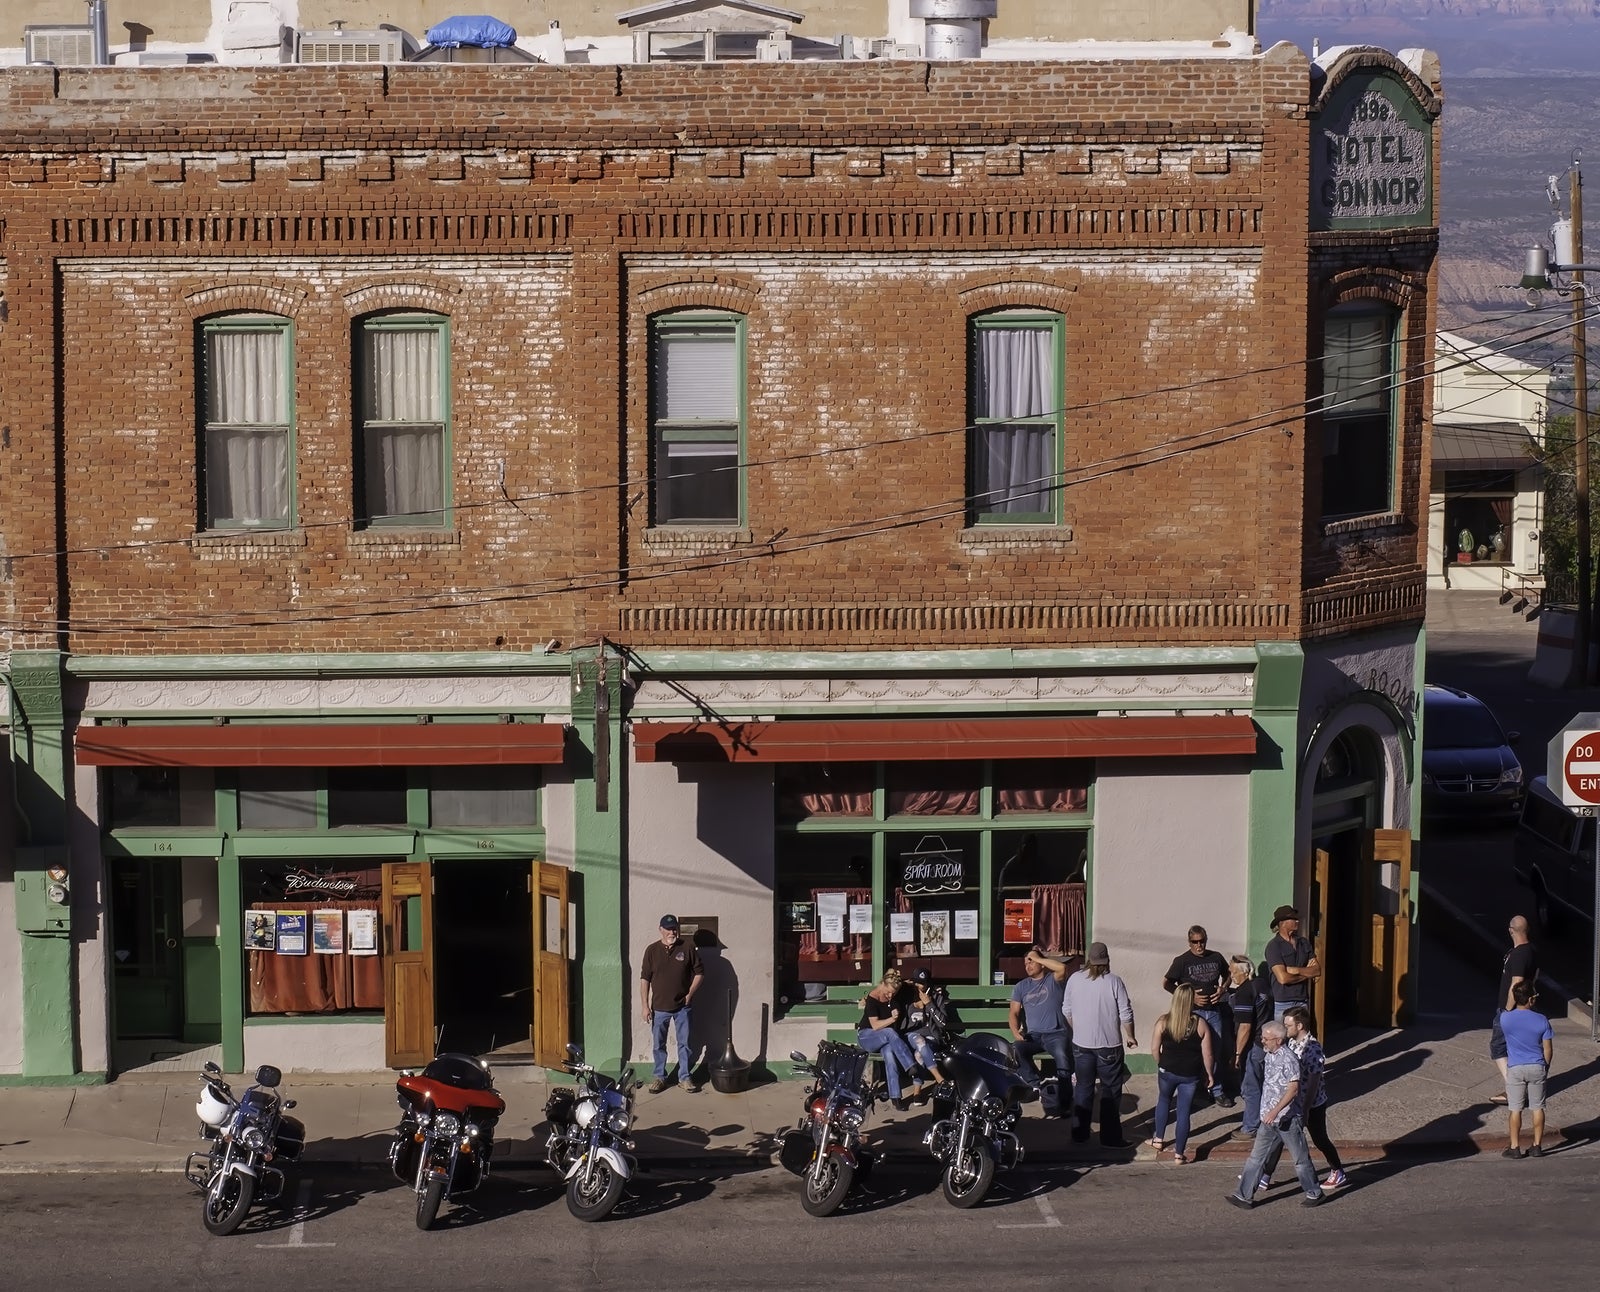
(668, 980)
(1530, 1045)
(1282, 1122)
(1099, 1012)
(1521, 965)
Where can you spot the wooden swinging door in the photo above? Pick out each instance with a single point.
(552, 951)
(408, 963)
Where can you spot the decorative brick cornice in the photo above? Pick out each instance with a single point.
(1012, 292)
(269, 298)
(1372, 282)
(712, 291)
(436, 298)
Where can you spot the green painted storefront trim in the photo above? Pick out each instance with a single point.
(487, 842)
(326, 843)
(684, 662)
(230, 958)
(10, 1080)
(1274, 789)
(602, 998)
(315, 1020)
(161, 843)
(318, 664)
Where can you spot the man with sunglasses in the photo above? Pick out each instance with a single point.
(1207, 972)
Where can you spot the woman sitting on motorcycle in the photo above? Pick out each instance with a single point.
(914, 1001)
(876, 1033)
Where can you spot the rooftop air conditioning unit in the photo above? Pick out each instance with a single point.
(63, 46)
(776, 48)
(163, 58)
(892, 49)
(350, 47)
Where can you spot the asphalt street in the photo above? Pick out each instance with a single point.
(1470, 1223)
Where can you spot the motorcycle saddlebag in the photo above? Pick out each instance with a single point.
(795, 1149)
(291, 1139)
(558, 1109)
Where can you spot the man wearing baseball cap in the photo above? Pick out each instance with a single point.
(668, 980)
(1291, 962)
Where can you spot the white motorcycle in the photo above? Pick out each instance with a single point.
(588, 1145)
(248, 1134)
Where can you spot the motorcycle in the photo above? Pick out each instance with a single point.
(588, 1144)
(247, 1135)
(975, 1111)
(444, 1143)
(826, 1148)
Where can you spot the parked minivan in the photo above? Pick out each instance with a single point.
(1554, 855)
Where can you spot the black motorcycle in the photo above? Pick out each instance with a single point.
(975, 1110)
(444, 1143)
(248, 1135)
(826, 1148)
(588, 1144)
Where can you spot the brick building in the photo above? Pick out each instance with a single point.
(882, 511)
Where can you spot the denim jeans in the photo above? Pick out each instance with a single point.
(658, 1030)
(1268, 1140)
(1250, 1079)
(1219, 1018)
(1058, 1046)
(897, 1056)
(1171, 1089)
(1104, 1066)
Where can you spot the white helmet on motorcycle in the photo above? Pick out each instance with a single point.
(213, 1110)
(585, 1112)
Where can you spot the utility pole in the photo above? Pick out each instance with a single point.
(1580, 431)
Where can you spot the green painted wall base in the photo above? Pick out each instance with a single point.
(12, 1079)
(47, 1007)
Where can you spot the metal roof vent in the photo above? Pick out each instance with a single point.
(341, 46)
(64, 46)
(953, 28)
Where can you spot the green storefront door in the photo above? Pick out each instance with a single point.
(146, 946)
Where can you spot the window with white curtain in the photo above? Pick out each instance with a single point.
(404, 447)
(697, 419)
(1358, 382)
(247, 392)
(1016, 384)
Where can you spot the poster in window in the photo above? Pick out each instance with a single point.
(260, 931)
(291, 933)
(327, 932)
(902, 926)
(861, 917)
(830, 928)
(362, 930)
(1019, 920)
(966, 925)
(935, 933)
(801, 917)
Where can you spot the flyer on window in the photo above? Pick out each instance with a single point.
(861, 917)
(935, 933)
(902, 926)
(1019, 920)
(260, 931)
(830, 928)
(361, 928)
(802, 917)
(291, 933)
(327, 932)
(966, 925)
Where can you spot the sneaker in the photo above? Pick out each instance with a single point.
(901, 1105)
(1536, 1151)
(1243, 1135)
(1226, 1101)
(692, 1086)
(1515, 1152)
(1335, 1180)
(657, 1086)
(1244, 1204)
(1312, 1200)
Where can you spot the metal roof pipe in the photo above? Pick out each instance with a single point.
(97, 22)
(953, 28)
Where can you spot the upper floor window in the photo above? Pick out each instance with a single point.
(247, 392)
(1358, 384)
(404, 445)
(697, 418)
(1015, 367)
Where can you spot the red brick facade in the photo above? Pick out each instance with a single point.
(856, 215)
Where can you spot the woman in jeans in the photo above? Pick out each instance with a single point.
(875, 1032)
(1182, 1046)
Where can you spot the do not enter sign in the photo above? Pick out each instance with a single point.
(1581, 767)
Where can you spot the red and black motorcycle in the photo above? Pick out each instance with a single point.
(826, 1148)
(444, 1143)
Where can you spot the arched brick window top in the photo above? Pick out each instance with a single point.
(245, 298)
(429, 298)
(1018, 294)
(729, 295)
(1390, 286)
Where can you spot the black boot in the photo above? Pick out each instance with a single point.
(1080, 1125)
(1111, 1124)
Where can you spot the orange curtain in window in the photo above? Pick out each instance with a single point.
(315, 983)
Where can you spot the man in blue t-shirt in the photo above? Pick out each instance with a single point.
(1530, 1044)
(1038, 1027)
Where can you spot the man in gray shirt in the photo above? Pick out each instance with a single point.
(1096, 1006)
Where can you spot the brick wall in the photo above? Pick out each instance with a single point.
(856, 215)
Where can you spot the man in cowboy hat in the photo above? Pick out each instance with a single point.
(1291, 962)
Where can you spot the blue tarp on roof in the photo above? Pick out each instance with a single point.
(471, 29)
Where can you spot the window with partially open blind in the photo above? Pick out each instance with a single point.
(697, 419)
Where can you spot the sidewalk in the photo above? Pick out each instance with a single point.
(1421, 1091)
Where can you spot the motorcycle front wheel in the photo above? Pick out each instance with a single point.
(227, 1199)
(826, 1183)
(968, 1177)
(428, 1202)
(596, 1201)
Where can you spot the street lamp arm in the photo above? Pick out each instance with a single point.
(1537, 268)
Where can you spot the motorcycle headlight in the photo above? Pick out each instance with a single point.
(447, 1124)
(472, 1130)
(851, 1115)
(618, 1122)
(254, 1138)
(993, 1107)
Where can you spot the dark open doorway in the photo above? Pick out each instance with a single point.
(482, 954)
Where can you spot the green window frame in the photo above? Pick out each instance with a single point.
(246, 402)
(698, 416)
(404, 450)
(1016, 365)
(1360, 373)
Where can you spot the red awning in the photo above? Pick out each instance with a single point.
(305, 744)
(941, 739)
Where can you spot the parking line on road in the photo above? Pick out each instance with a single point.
(297, 1231)
(1049, 1221)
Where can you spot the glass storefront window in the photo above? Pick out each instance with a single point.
(277, 798)
(366, 796)
(934, 789)
(1040, 895)
(140, 797)
(312, 937)
(828, 789)
(483, 796)
(934, 892)
(819, 878)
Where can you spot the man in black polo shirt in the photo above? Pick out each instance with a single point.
(668, 980)
(1520, 965)
(1207, 972)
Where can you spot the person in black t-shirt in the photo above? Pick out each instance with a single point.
(1520, 965)
(1207, 972)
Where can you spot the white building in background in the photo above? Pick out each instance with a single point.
(1486, 497)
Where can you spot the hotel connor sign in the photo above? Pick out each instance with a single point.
(1372, 157)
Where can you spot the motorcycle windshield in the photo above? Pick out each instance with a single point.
(459, 1070)
(257, 1104)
